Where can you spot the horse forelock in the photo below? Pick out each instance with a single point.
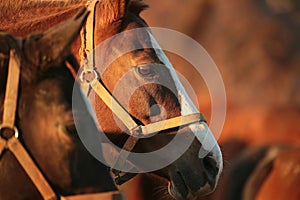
(111, 11)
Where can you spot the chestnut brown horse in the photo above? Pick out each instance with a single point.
(284, 177)
(262, 172)
(45, 143)
(151, 87)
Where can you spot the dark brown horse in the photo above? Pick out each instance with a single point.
(151, 88)
(44, 118)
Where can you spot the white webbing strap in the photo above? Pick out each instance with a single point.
(87, 44)
(153, 128)
(113, 105)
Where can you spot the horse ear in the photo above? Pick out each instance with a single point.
(53, 47)
(109, 11)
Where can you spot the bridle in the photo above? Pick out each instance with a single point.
(13, 144)
(136, 131)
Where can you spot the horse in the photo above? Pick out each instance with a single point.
(189, 176)
(269, 171)
(283, 177)
(41, 155)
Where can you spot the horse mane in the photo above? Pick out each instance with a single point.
(27, 15)
(37, 15)
(137, 6)
(9, 7)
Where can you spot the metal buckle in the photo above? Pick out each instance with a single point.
(14, 129)
(122, 177)
(202, 118)
(136, 132)
(88, 76)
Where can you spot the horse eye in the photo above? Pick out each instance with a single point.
(146, 71)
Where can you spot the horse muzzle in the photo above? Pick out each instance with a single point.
(191, 176)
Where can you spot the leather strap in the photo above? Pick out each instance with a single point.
(113, 105)
(14, 145)
(112, 195)
(87, 34)
(153, 128)
(11, 92)
(2, 146)
(122, 177)
(87, 45)
(8, 121)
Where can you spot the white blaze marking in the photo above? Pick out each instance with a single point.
(202, 131)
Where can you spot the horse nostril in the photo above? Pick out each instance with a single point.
(210, 164)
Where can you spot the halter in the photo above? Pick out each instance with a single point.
(135, 131)
(14, 145)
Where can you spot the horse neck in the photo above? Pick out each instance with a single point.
(38, 16)
(32, 17)
(18, 186)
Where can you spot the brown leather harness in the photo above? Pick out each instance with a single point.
(135, 131)
(13, 144)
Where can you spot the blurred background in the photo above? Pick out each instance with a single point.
(256, 46)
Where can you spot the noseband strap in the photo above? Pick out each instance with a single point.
(135, 131)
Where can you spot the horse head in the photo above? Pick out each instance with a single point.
(144, 82)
